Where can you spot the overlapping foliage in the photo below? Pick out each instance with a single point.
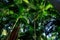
(32, 16)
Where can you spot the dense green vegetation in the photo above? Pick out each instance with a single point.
(34, 17)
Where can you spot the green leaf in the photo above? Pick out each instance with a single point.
(48, 6)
